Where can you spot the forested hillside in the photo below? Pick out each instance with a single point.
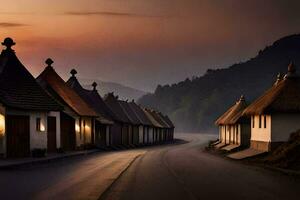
(195, 104)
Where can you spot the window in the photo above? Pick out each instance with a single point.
(2, 125)
(38, 124)
(253, 121)
(265, 121)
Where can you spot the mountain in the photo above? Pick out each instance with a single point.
(195, 104)
(124, 92)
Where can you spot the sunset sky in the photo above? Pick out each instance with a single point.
(142, 43)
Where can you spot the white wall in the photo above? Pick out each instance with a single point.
(239, 132)
(261, 134)
(223, 130)
(228, 134)
(38, 139)
(231, 133)
(283, 125)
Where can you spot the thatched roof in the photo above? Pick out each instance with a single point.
(18, 88)
(282, 97)
(92, 98)
(149, 115)
(113, 103)
(129, 113)
(158, 119)
(56, 86)
(233, 114)
(140, 114)
(168, 120)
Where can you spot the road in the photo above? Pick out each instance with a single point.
(84, 177)
(176, 171)
(186, 172)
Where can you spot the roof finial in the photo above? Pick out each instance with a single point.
(94, 86)
(73, 72)
(8, 42)
(49, 62)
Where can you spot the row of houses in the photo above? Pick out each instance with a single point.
(265, 123)
(48, 113)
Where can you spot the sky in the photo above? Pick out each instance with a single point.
(143, 43)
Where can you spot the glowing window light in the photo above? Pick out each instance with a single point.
(77, 127)
(2, 125)
(43, 128)
(40, 126)
(87, 127)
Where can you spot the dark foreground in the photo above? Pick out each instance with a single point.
(186, 172)
(176, 171)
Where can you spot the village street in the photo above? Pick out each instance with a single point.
(82, 177)
(176, 171)
(186, 172)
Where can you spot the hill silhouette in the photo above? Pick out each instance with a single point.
(124, 92)
(195, 104)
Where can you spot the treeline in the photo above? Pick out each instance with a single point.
(194, 104)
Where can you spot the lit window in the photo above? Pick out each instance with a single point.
(2, 125)
(39, 125)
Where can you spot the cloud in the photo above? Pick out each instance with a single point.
(102, 13)
(10, 24)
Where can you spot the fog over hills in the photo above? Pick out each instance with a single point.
(124, 92)
(195, 104)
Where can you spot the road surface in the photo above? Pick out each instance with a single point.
(84, 177)
(176, 171)
(186, 172)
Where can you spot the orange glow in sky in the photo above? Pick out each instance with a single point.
(142, 43)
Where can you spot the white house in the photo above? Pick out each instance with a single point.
(77, 130)
(102, 125)
(154, 128)
(234, 128)
(29, 117)
(276, 114)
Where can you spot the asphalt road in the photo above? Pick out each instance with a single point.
(186, 172)
(83, 177)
